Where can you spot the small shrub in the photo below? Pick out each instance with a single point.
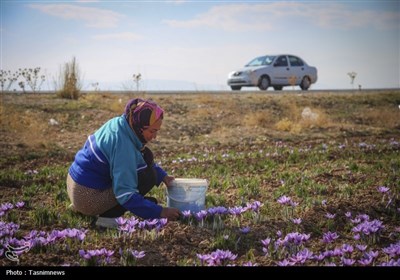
(70, 84)
(258, 119)
(287, 125)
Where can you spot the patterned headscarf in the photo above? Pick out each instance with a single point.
(141, 114)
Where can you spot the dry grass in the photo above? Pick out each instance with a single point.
(383, 117)
(258, 119)
(201, 117)
(28, 127)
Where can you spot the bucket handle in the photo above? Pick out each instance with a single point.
(183, 201)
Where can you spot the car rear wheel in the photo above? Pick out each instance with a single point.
(263, 83)
(236, 87)
(305, 83)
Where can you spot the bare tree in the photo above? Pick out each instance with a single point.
(33, 79)
(352, 76)
(136, 80)
(95, 86)
(27, 77)
(7, 79)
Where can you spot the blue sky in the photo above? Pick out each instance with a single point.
(193, 45)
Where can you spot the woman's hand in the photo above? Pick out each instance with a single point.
(168, 180)
(171, 214)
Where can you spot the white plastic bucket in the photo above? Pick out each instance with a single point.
(187, 194)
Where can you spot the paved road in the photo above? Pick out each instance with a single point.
(169, 92)
(344, 91)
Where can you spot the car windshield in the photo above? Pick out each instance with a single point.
(262, 60)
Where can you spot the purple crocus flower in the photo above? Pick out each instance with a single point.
(346, 248)
(284, 200)
(249, 263)
(361, 247)
(348, 262)
(121, 221)
(265, 242)
(394, 143)
(202, 258)
(330, 216)
(245, 230)
(383, 189)
(302, 256)
(355, 220)
(255, 206)
(142, 225)
(294, 204)
(392, 250)
(200, 215)
(319, 257)
(20, 204)
(366, 261)
(284, 263)
(330, 237)
(372, 254)
(297, 221)
(186, 213)
(236, 211)
(138, 254)
(162, 222)
(151, 223)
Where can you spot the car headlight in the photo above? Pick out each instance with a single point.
(235, 73)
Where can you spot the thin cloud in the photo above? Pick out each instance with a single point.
(93, 17)
(246, 17)
(176, 2)
(341, 16)
(124, 36)
(227, 17)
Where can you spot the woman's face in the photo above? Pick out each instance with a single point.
(150, 133)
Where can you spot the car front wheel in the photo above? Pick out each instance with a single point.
(263, 84)
(305, 83)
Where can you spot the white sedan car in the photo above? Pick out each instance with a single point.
(274, 70)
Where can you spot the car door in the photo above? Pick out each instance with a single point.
(297, 69)
(281, 71)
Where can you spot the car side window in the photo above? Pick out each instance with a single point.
(281, 61)
(295, 61)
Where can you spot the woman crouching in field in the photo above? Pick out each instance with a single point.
(114, 169)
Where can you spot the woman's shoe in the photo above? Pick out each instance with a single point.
(106, 222)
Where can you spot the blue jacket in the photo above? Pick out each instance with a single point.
(111, 158)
